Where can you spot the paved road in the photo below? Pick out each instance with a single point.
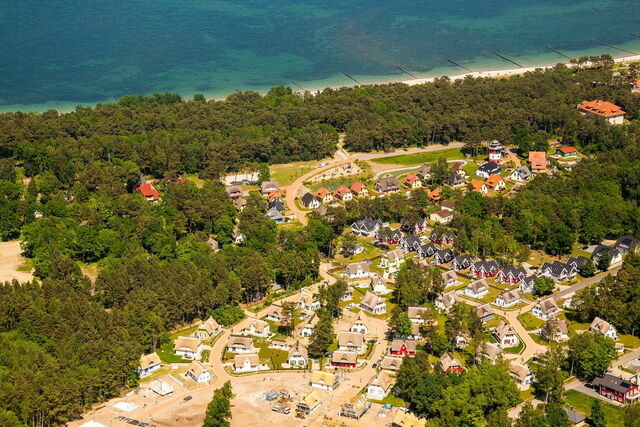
(293, 189)
(587, 282)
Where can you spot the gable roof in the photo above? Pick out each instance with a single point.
(383, 380)
(548, 306)
(148, 190)
(435, 193)
(424, 169)
(320, 377)
(484, 310)
(447, 361)
(601, 325)
(240, 341)
(443, 213)
(308, 198)
(354, 266)
(613, 383)
(566, 150)
(239, 360)
(514, 271)
(601, 250)
(494, 180)
(455, 179)
(388, 183)
(449, 275)
(601, 108)
(350, 339)
(391, 363)
(411, 179)
(190, 343)
(415, 312)
(340, 356)
(209, 325)
(393, 255)
(503, 330)
(478, 286)
(448, 298)
(397, 344)
(519, 371)
(298, 350)
(371, 300)
(523, 171)
(321, 192)
(627, 243)
(357, 186)
(476, 185)
(149, 360)
(490, 168)
(196, 368)
(510, 296)
(491, 351)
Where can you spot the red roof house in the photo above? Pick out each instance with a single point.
(608, 111)
(149, 192)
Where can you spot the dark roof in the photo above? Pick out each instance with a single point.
(444, 254)
(523, 171)
(412, 242)
(626, 243)
(486, 265)
(574, 417)
(556, 268)
(464, 260)
(276, 203)
(490, 168)
(601, 250)
(514, 271)
(455, 179)
(428, 248)
(577, 262)
(441, 234)
(528, 281)
(388, 183)
(367, 224)
(613, 383)
(308, 198)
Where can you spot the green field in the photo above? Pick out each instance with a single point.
(582, 403)
(419, 158)
(530, 321)
(285, 174)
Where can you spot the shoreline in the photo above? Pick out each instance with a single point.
(475, 74)
(68, 106)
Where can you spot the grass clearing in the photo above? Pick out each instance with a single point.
(517, 349)
(390, 399)
(582, 403)
(165, 352)
(419, 158)
(272, 357)
(194, 178)
(529, 321)
(629, 341)
(286, 173)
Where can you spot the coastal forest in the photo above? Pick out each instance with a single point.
(68, 340)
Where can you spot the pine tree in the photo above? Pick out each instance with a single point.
(596, 419)
(219, 409)
(322, 337)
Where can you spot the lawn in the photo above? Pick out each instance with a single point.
(272, 357)
(165, 352)
(582, 403)
(515, 350)
(183, 333)
(470, 168)
(530, 321)
(194, 178)
(285, 174)
(526, 394)
(538, 339)
(492, 294)
(390, 399)
(419, 158)
(629, 341)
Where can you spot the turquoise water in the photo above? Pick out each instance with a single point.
(88, 51)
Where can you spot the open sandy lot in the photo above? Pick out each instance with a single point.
(10, 260)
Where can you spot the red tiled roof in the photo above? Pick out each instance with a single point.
(601, 108)
(411, 178)
(341, 191)
(568, 150)
(493, 180)
(357, 187)
(147, 190)
(476, 185)
(322, 192)
(435, 194)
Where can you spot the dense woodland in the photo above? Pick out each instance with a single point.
(67, 342)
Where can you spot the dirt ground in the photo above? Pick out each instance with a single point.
(10, 260)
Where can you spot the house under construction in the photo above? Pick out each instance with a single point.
(355, 408)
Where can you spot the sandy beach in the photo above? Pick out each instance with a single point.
(475, 74)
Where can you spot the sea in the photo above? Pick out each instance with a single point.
(60, 54)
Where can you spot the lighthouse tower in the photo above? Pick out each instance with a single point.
(495, 151)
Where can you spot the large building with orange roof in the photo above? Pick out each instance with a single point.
(608, 111)
(495, 182)
(343, 193)
(538, 161)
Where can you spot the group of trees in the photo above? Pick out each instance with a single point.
(480, 396)
(615, 299)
